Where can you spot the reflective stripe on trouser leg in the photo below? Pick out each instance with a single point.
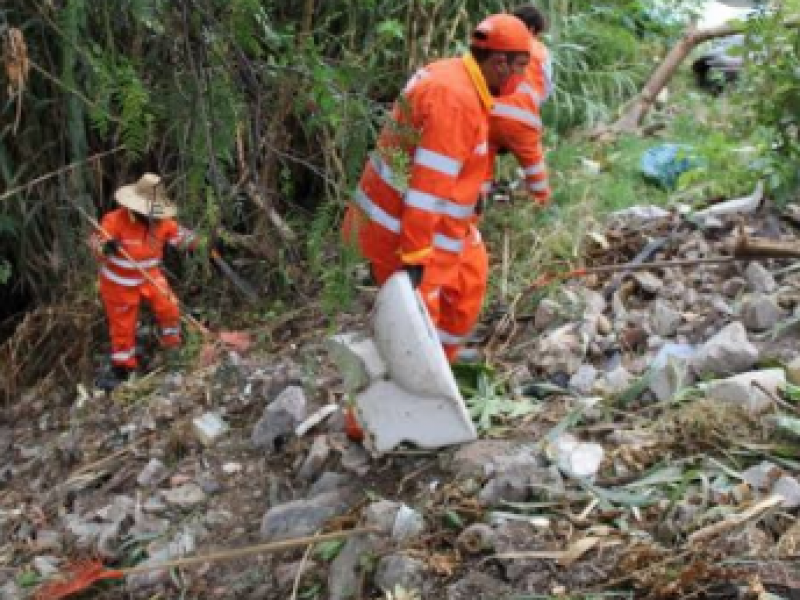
(122, 318)
(165, 308)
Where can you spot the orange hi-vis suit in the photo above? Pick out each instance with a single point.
(516, 124)
(123, 286)
(429, 222)
(438, 132)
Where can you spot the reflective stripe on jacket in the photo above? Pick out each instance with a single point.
(422, 182)
(143, 244)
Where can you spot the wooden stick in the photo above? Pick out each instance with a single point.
(247, 551)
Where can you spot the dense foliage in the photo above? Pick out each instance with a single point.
(258, 112)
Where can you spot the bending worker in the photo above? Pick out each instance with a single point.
(130, 248)
(516, 123)
(415, 205)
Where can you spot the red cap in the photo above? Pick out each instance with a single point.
(502, 32)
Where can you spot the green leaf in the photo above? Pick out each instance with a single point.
(327, 551)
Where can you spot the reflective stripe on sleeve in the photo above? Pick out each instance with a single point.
(486, 187)
(482, 149)
(518, 114)
(380, 216)
(170, 331)
(435, 204)
(127, 264)
(123, 355)
(438, 162)
(126, 281)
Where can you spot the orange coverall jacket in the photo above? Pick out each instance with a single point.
(516, 124)
(123, 286)
(416, 200)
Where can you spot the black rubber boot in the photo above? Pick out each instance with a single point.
(112, 378)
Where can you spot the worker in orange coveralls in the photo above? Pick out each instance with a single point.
(415, 205)
(130, 246)
(516, 123)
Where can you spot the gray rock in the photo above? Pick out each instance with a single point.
(305, 516)
(209, 428)
(760, 279)
(356, 460)
(761, 476)
(11, 591)
(153, 474)
(286, 574)
(583, 380)
(397, 570)
(316, 459)
(789, 488)
(648, 282)
(728, 352)
(664, 320)
(344, 575)
(280, 418)
(476, 459)
(183, 543)
(753, 391)
(563, 350)
(516, 481)
(548, 314)
(381, 515)
(760, 312)
(329, 482)
(733, 287)
(408, 524)
(615, 382)
(669, 378)
(46, 566)
(185, 496)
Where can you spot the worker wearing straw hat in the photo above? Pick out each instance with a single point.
(130, 246)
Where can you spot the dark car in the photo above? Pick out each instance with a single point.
(720, 65)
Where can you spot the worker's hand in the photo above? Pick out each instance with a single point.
(112, 246)
(415, 273)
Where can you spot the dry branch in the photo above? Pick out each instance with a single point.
(632, 118)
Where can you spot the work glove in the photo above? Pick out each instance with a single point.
(112, 246)
(415, 273)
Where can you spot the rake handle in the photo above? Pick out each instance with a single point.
(240, 552)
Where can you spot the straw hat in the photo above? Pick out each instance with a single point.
(147, 197)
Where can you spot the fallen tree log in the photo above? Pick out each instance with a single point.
(631, 119)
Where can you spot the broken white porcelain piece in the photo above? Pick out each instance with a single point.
(403, 387)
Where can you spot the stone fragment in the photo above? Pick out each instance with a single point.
(209, 428)
(584, 379)
(408, 524)
(762, 476)
(356, 460)
(476, 538)
(648, 282)
(562, 350)
(733, 287)
(760, 312)
(728, 352)
(669, 378)
(280, 418)
(789, 488)
(316, 459)
(479, 586)
(576, 458)
(664, 320)
(154, 473)
(345, 573)
(329, 482)
(46, 566)
(614, 382)
(479, 459)
(548, 314)
(754, 391)
(399, 571)
(185, 496)
(304, 516)
(760, 279)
